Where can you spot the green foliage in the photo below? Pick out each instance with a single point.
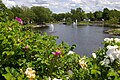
(113, 20)
(5, 14)
(17, 11)
(28, 14)
(42, 14)
(62, 16)
(25, 13)
(91, 16)
(78, 14)
(105, 14)
(21, 49)
(98, 15)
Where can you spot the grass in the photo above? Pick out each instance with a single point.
(113, 31)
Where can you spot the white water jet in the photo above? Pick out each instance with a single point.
(52, 27)
(76, 23)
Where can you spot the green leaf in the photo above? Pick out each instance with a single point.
(112, 74)
(38, 59)
(8, 76)
(95, 72)
(8, 53)
(7, 69)
(2, 37)
(5, 41)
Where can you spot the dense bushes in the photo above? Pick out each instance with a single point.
(27, 55)
(21, 48)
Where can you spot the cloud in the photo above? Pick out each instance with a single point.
(9, 3)
(77, 1)
(44, 5)
(66, 5)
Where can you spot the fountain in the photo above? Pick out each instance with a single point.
(52, 27)
(75, 24)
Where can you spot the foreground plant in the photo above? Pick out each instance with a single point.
(22, 51)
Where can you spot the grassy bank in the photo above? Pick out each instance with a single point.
(113, 31)
(111, 25)
(91, 23)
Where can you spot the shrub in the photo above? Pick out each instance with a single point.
(27, 55)
(22, 49)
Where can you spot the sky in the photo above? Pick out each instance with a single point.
(62, 6)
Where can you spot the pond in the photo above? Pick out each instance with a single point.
(87, 38)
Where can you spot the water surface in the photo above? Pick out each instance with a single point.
(87, 38)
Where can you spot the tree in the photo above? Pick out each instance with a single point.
(78, 14)
(113, 20)
(114, 16)
(98, 15)
(28, 15)
(42, 14)
(106, 14)
(5, 13)
(18, 12)
(25, 13)
(111, 16)
(91, 16)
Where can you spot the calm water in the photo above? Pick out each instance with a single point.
(87, 38)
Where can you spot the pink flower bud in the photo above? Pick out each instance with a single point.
(56, 53)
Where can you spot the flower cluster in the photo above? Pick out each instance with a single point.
(109, 40)
(82, 63)
(19, 20)
(106, 61)
(58, 52)
(113, 51)
(30, 73)
(117, 40)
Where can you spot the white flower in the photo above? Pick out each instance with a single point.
(117, 40)
(30, 73)
(70, 72)
(49, 78)
(113, 52)
(82, 63)
(118, 53)
(105, 62)
(94, 55)
(112, 47)
(108, 39)
(56, 79)
(70, 52)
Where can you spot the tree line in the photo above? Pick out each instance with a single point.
(109, 16)
(41, 15)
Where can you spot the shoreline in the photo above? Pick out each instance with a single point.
(113, 31)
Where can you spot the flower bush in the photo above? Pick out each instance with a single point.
(26, 55)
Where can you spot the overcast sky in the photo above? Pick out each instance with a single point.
(60, 6)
